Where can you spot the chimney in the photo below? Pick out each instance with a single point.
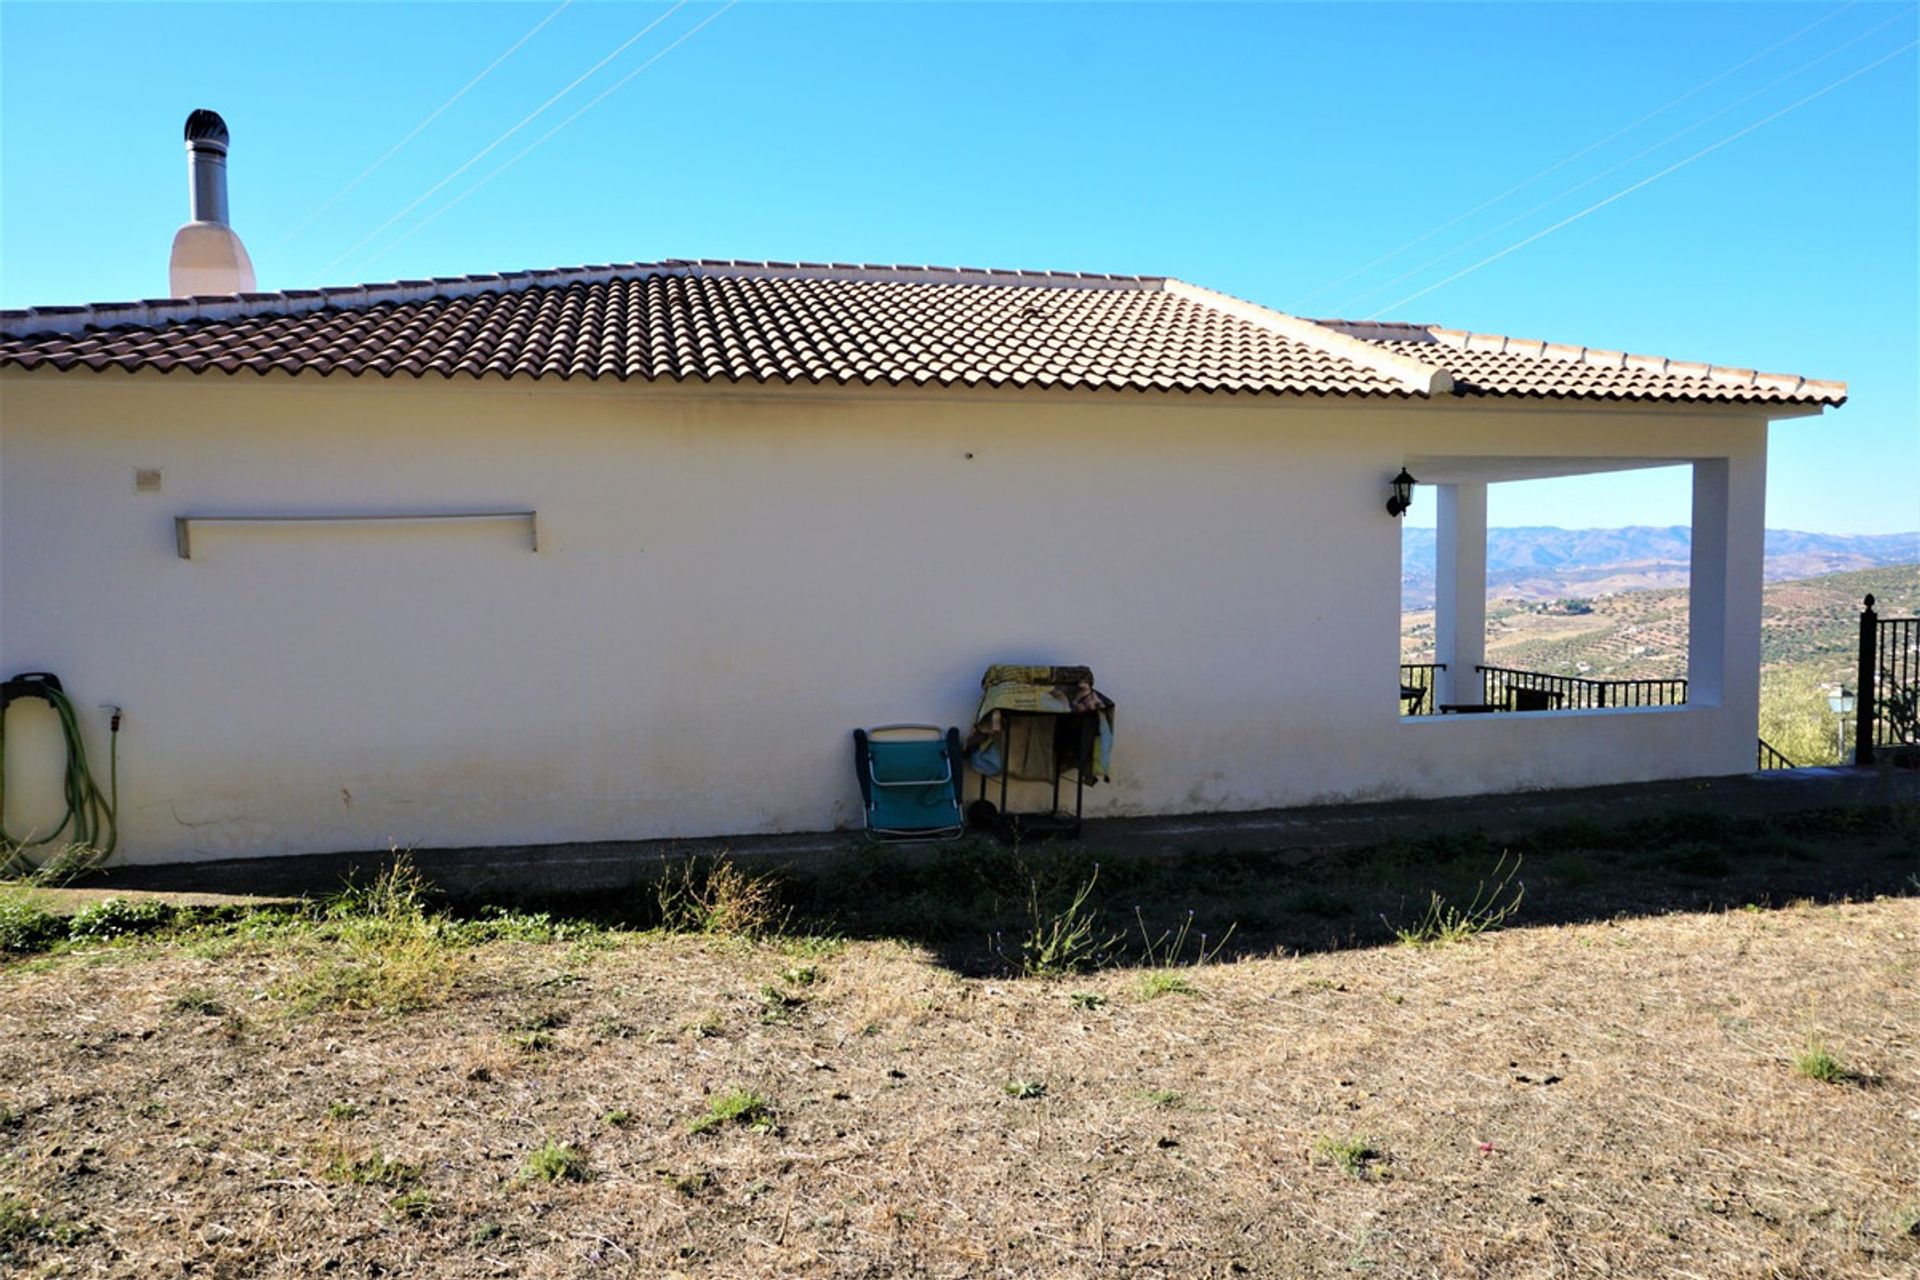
(208, 257)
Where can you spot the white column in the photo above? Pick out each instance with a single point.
(1460, 590)
(1724, 588)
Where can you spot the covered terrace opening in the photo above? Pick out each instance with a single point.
(1684, 665)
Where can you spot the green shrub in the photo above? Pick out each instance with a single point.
(25, 926)
(119, 918)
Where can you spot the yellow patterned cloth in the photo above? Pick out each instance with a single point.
(1030, 753)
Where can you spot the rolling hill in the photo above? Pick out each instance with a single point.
(1541, 563)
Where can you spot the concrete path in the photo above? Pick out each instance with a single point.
(582, 868)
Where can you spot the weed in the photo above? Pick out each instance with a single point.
(1445, 923)
(607, 1027)
(342, 1110)
(499, 924)
(776, 1004)
(1163, 983)
(1165, 1099)
(1354, 1156)
(415, 1205)
(719, 899)
(388, 951)
(708, 1025)
(1088, 1000)
(17, 1221)
(119, 918)
(194, 1000)
(812, 946)
(801, 975)
(1816, 1062)
(21, 1224)
(1169, 949)
(1024, 1089)
(556, 1162)
(534, 1033)
(375, 1170)
(485, 1233)
(618, 1119)
(741, 1107)
(61, 867)
(25, 926)
(1066, 941)
(690, 1185)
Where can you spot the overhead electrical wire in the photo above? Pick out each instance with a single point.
(415, 132)
(608, 92)
(1648, 180)
(1361, 298)
(487, 150)
(1564, 161)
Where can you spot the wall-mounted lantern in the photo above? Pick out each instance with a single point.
(1402, 494)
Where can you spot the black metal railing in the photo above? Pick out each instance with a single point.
(1509, 689)
(1770, 758)
(1887, 706)
(1416, 687)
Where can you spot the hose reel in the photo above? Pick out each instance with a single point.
(89, 818)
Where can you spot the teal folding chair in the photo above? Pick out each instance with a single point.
(910, 781)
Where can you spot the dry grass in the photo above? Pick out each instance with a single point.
(1619, 1097)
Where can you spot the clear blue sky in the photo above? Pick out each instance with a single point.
(1273, 151)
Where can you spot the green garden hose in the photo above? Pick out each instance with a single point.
(88, 824)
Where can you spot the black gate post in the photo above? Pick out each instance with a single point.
(1864, 711)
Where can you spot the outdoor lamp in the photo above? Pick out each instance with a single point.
(1402, 494)
(1841, 703)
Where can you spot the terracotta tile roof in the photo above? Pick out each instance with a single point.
(716, 321)
(1487, 364)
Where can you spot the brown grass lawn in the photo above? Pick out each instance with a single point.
(1615, 1096)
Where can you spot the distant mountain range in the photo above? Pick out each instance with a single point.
(1540, 563)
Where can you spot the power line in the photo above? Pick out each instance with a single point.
(608, 92)
(414, 132)
(1649, 179)
(1567, 160)
(526, 120)
(1360, 299)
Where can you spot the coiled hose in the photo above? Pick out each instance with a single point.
(88, 825)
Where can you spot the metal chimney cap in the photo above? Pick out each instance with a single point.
(204, 126)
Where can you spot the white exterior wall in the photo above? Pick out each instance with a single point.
(729, 580)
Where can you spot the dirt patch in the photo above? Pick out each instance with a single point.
(1617, 1096)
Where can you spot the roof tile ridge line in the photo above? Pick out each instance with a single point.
(1608, 358)
(1414, 375)
(32, 321)
(1379, 330)
(882, 273)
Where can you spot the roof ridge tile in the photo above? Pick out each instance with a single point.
(1412, 375)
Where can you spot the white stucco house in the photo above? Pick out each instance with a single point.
(621, 552)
